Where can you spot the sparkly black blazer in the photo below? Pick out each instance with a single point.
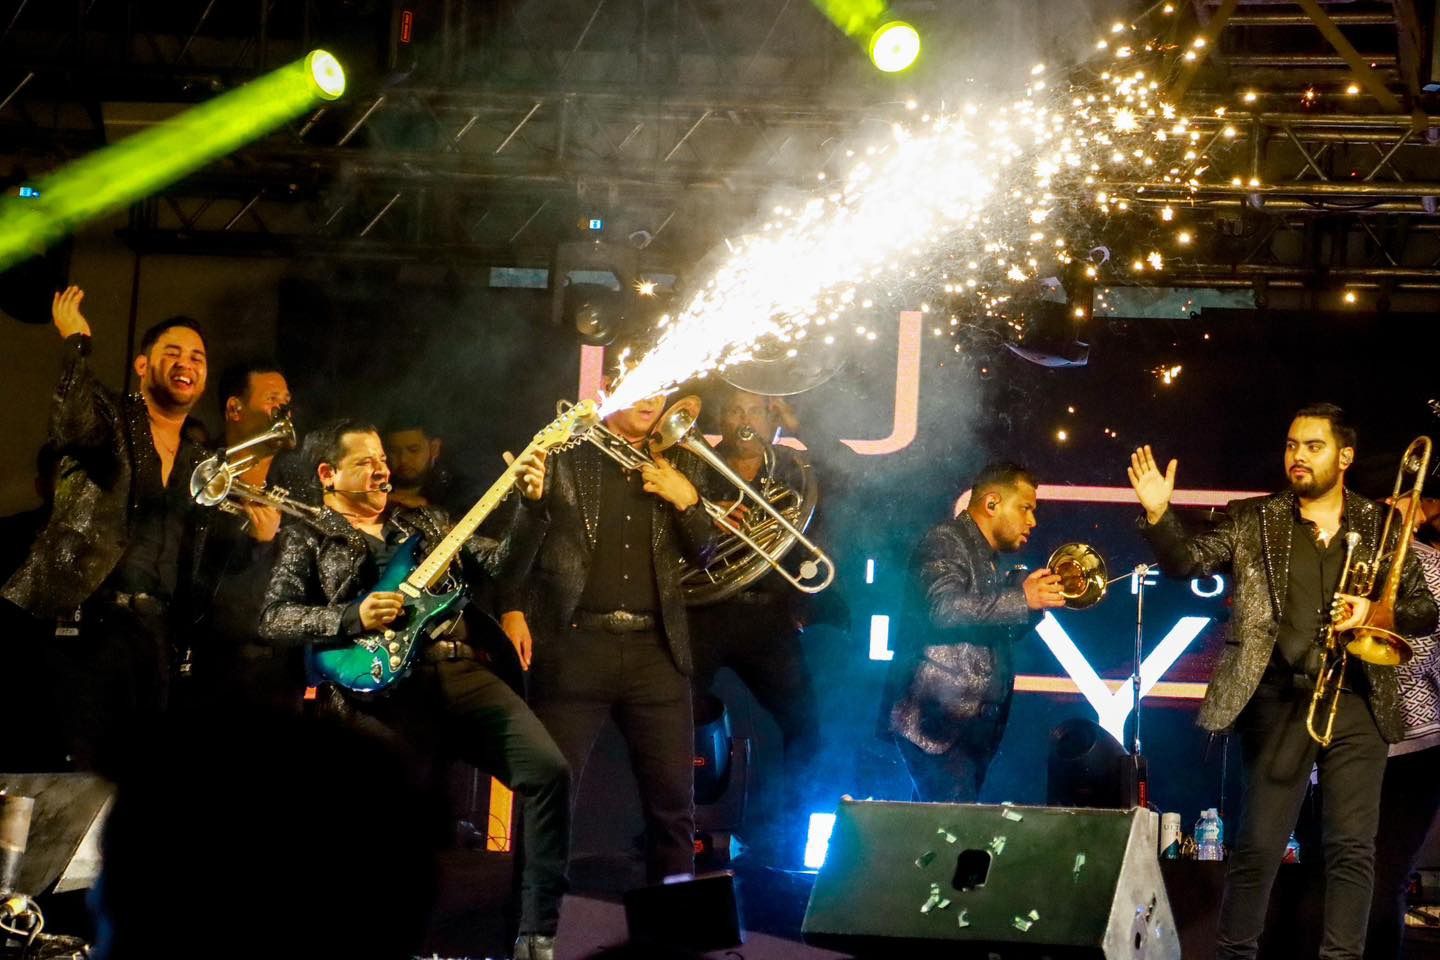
(954, 649)
(1252, 543)
(553, 583)
(320, 572)
(106, 454)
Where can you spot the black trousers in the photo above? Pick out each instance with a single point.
(465, 711)
(1409, 800)
(760, 643)
(956, 775)
(1276, 758)
(580, 680)
(96, 697)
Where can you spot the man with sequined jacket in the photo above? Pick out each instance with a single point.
(321, 593)
(102, 577)
(952, 678)
(1286, 553)
(611, 636)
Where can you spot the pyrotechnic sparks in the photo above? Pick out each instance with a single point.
(995, 196)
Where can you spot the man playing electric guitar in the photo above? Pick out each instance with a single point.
(323, 594)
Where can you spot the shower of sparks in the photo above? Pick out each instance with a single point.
(986, 200)
(1168, 375)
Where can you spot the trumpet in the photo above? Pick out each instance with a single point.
(769, 537)
(216, 482)
(1082, 573)
(1333, 657)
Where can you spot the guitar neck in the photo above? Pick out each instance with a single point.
(434, 565)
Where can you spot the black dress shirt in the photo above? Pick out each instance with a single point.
(622, 575)
(151, 563)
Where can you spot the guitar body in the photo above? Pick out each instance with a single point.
(375, 661)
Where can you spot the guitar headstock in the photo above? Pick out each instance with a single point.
(571, 424)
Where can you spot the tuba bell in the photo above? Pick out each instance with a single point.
(1082, 573)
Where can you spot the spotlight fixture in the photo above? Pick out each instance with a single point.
(894, 46)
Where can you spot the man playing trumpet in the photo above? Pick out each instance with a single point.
(1286, 552)
(954, 673)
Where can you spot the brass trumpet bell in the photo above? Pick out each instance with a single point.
(1081, 569)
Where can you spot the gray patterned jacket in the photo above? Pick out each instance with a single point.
(954, 652)
(1252, 542)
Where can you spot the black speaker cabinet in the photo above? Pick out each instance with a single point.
(995, 882)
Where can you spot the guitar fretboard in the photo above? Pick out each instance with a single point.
(432, 568)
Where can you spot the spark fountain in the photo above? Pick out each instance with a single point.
(979, 199)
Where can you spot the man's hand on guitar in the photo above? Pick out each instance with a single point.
(515, 627)
(530, 478)
(65, 311)
(380, 609)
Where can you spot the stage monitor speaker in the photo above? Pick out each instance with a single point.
(63, 852)
(697, 914)
(917, 879)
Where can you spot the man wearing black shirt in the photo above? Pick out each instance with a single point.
(321, 594)
(1285, 552)
(103, 573)
(609, 621)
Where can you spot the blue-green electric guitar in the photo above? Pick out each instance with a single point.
(375, 661)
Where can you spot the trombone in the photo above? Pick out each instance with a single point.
(216, 482)
(1333, 657)
(1374, 641)
(676, 427)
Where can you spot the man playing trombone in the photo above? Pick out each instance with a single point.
(610, 635)
(1286, 553)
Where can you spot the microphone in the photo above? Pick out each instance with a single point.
(386, 488)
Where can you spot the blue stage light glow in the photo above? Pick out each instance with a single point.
(817, 841)
(880, 638)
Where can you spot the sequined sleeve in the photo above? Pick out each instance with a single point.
(954, 594)
(84, 414)
(1185, 555)
(295, 611)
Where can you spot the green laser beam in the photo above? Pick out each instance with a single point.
(115, 176)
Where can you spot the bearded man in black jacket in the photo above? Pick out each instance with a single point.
(1286, 552)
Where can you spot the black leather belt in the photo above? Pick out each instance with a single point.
(615, 621)
(450, 650)
(144, 604)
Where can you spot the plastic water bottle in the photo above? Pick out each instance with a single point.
(1209, 836)
(1292, 850)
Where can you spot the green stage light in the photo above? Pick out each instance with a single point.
(118, 175)
(895, 46)
(327, 73)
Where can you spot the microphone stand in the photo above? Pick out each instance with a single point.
(1138, 785)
